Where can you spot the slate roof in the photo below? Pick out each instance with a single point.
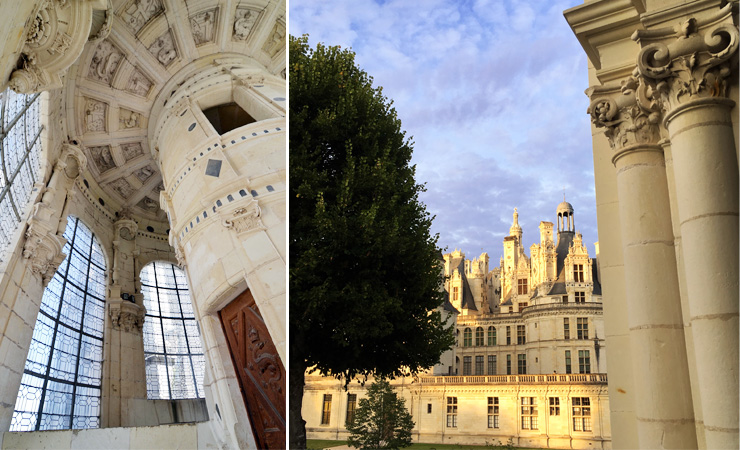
(467, 295)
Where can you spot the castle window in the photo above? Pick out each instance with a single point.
(529, 413)
(351, 404)
(491, 364)
(467, 337)
(172, 348)
(479, 365)
(508, 364)
(581, 414)
(479, 336)
(492, 412)
(578, 273)
(491, 335)
(451, 412)
(522, 286)
(467, 363)
(455, 293)
(580, 297)
(582, 327)
(565, 299)
(521, 338)
(584, 361)
(429, 408)
(522, 364)
(566, 328)
(567, 361)
(19, 159)
(326, 410)
(508, 335)
(554, 406)
(61, 384)
(227, 117)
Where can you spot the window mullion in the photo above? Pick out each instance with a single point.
(161, 326)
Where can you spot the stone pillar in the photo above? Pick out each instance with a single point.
(690, 71)
(225, 199)
(124, 377)
(658, 352)
(20, 298)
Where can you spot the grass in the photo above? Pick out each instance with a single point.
(320, 444)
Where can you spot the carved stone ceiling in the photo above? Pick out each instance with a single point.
(111, 88)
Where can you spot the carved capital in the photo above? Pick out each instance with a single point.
(73, 159)
(630, 113)
(689, 63)
(126, 229)
(43, 249)
(54, 39)
(125, 315)
(244, 219)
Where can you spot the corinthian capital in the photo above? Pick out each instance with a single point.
(690, 61)
(629, 112)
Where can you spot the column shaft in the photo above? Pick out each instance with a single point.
(704, 158)
(664, 410)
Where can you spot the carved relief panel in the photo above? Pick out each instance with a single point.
(139, 84)
(131, 150)
(102, 157)
(163, 48)
(276, 40)
(203, 26)
(95, 116)
(244, 21)
(104, 62)
(138, 13)
(260, 371)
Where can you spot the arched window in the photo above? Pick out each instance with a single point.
(19, 158)
(60, 387)
(467, 337)
(174, 356)
(479, 336)
(491, 335)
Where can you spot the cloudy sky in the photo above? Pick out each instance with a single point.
(491, 92)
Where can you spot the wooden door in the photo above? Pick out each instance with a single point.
(260, 371)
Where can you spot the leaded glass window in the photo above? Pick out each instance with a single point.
(60, 387)
(172, 348)
(19, 158)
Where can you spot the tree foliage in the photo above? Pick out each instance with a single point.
(381, 420)
(364, 268)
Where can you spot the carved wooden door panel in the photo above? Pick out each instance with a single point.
(260, 371)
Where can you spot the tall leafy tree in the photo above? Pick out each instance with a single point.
(364, 268)
(381, 420)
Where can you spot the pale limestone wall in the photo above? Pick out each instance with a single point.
(190, 436)
(472, 405)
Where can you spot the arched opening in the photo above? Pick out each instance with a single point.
(61, 383)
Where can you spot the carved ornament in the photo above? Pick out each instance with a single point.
(244, 220)
(43, 249)
(54, 40)
(694, 64)
(630, 114)
(126, 229)
(126, 316)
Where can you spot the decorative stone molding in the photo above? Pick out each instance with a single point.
(695, 64)
(54, 40)
(630, 113)
(126, 229)
(125, 315)
(43, 247)
(244, 220)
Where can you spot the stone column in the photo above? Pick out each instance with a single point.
(690, 70)
(658, 352)
(124, 378)
(20, 298)
(225, 199)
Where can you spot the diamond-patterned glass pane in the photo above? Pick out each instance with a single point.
(175, 364)
(60, 388)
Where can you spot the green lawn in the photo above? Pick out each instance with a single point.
(320, 444)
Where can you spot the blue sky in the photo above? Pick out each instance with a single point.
(491, 92)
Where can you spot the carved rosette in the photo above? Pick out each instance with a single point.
(126, 316)
(244, 220)
(126, 229)
(694, 65)
(54, 40)
(630, 114)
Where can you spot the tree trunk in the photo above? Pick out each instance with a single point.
(297, 430)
